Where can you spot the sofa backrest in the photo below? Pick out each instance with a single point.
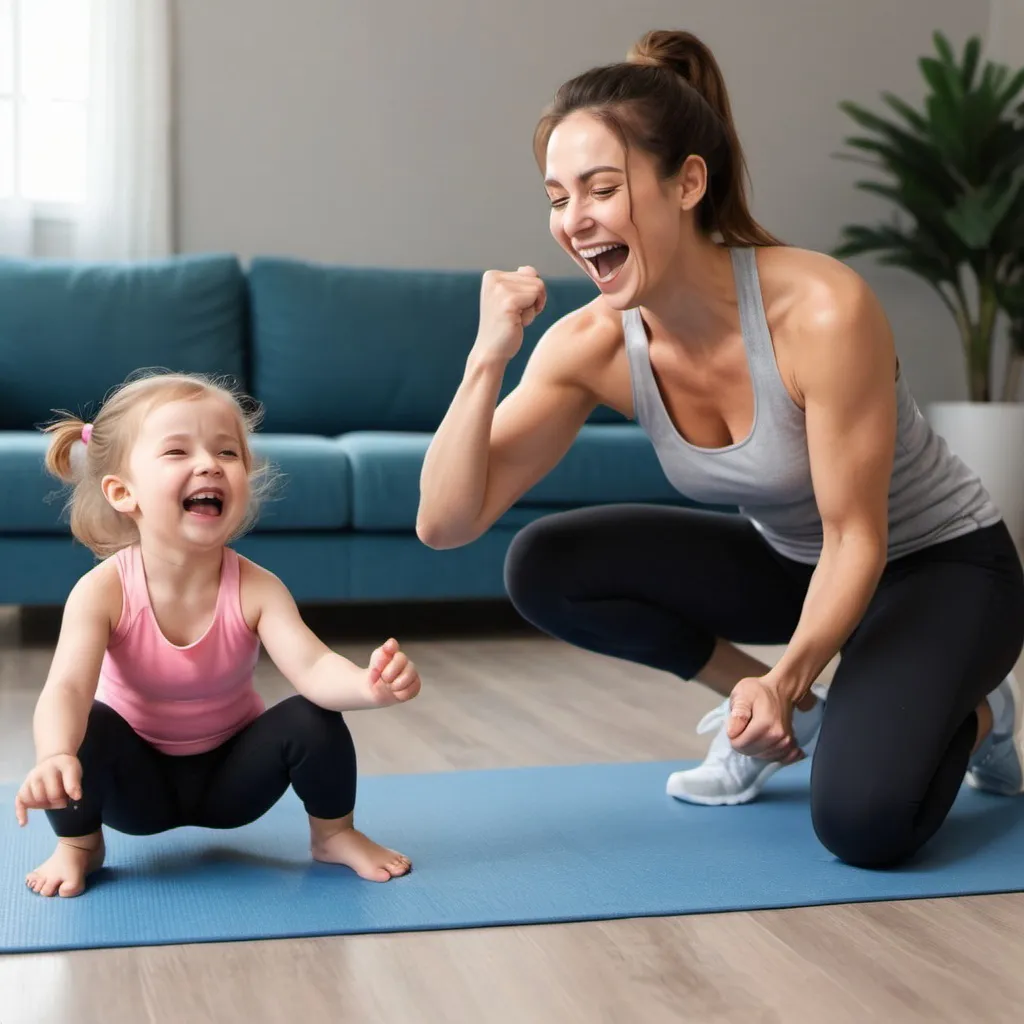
(69, 332)
(326, 349)
(338, 348)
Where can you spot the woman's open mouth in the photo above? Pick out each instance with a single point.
(605, 261)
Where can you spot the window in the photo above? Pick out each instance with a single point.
(44, 95)
(85, 117)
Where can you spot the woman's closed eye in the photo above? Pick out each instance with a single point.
(600, 193)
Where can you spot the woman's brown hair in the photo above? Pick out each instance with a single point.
(669, 99)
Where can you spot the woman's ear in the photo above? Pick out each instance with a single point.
(693, 182)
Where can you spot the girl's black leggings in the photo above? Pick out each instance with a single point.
(134, 788)
(657, 585)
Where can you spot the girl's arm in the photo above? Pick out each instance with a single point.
(321, 675)
(62, 711)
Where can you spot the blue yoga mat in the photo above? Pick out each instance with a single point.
(518, 846)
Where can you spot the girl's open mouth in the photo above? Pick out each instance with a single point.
(204, 505)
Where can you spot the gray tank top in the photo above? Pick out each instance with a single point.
(933, 496)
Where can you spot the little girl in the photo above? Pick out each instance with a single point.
(149, 719)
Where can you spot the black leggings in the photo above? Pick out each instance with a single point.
(134, 788)
(657, 585)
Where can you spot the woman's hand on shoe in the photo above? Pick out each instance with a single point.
(760, 722)
(392, 677)
(50, 786)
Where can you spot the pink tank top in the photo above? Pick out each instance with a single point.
(182, 700)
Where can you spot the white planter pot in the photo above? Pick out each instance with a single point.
(989, 437)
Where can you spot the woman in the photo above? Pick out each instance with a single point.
(766, 377)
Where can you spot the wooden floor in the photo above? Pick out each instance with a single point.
(517, 699)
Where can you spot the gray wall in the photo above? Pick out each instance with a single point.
(1007, 31)
(399, 134)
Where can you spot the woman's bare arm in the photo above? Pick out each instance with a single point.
(847, 366)
(483, 459)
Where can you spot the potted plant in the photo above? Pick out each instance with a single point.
(1012, 301)
(954, 170)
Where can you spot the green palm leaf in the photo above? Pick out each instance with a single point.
(916, 120)
(954, 168)
(977, 216)
(906, 164)
(972, 53)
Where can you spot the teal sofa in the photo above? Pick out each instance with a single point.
(354, 367)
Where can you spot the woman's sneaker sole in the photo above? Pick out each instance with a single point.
(675, 788)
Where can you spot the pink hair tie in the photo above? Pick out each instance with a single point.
(86, 433)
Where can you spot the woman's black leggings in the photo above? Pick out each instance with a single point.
(134, 788)
(657, 585)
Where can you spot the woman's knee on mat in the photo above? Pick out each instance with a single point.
(867, 830)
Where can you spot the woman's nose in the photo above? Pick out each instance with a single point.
(575, 218)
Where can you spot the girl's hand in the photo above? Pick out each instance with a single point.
(392, 677)
(760, 722)
(49, 786)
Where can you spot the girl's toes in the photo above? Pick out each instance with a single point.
(70, 888)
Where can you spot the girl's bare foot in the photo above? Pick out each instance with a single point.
(65, 872)
(337, 842)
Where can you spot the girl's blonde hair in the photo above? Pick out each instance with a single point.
(94, 522)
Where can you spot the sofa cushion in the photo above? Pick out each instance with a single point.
(69, 332)
(344, 348)
(311, 484)
(31, 501)
(607, 463)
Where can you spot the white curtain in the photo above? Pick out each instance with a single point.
(120, 144)
(17, 232)
(127, 211)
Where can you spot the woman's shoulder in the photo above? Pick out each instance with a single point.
(803, 289)
(596, 321)
(583, 349)
(586, 337)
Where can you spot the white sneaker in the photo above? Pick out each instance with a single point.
(997, 766)
(727, 777)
